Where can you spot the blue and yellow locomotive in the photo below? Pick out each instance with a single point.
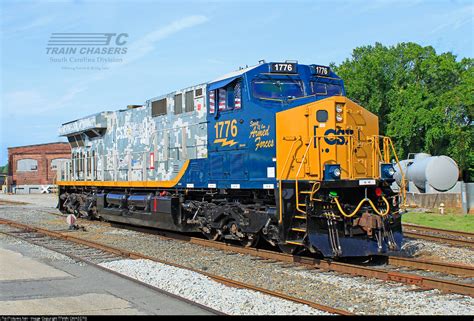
(273, 151)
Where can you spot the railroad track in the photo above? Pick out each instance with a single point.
(95, 253)
(411, 277)
(464, 239)
(56, 242)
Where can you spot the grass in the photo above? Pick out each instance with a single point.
(456, 222)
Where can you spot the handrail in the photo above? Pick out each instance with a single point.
(387, 146)
(379, 154)
(288, 157)
(281, 175)
(297, 174)
(403, 182)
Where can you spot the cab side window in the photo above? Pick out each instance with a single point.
(325, 89)
(237, 95)
(222, 99)
(227, 98)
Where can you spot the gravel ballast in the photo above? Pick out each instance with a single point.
(199, 288)
(357, 294)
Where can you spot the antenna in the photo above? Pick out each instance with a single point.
(261, 61)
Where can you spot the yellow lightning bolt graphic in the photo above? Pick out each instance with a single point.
(225, 142)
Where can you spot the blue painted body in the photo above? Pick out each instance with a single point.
(248, 161)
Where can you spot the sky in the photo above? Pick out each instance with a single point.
(170, 45)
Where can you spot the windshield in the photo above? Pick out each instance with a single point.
(319, 88)
(277, 89)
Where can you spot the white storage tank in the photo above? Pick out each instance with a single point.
(440, 172)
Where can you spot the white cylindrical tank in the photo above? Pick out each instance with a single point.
(440, 172)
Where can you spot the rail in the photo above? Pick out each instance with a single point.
(135, 255)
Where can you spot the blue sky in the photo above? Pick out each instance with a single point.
(175, 44)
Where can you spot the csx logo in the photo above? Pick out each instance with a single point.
(338, 139)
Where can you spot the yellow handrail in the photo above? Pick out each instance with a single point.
(403, 187)
(281, 175)
(297, 174)
(378, 156)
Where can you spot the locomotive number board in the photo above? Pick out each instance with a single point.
(284, 67)
(321, 70)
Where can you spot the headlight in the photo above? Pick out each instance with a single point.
(338, 117)
(339, 108)
(391, 171)
(332, 172)
(387, 171)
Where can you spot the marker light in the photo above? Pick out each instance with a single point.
(378, 191)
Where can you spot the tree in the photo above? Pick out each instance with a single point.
(424, 101)
(4, 169)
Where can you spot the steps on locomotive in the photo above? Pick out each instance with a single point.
(296, 242)
(298, 229)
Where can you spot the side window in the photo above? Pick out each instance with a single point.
(237, 95)
(55, 163)
(228, 98)
(319, 88)
(334, 90)
(158, 107)
(27, 165)
(212, 101)
(222, 99)
(178, 104)
(189, 101)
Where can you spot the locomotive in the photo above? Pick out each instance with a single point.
(275, 151)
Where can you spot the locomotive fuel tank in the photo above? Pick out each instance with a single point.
(116, 200)
(140, 202)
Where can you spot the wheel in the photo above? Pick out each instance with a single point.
(250, 240)
(213, 235)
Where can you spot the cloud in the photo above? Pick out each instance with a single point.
(145, 44)
(454, 19)
(366, 6)
(33, 102)
(17, 28)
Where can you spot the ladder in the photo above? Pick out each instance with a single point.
(298, 227)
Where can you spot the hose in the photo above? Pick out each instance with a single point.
(359, 206)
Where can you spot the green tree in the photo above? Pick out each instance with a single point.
(4, 169)
(424, 101)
